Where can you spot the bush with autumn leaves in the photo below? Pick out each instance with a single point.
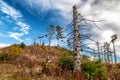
(11, 52)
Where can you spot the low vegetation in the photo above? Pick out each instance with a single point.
(93, 69)
(51, 63)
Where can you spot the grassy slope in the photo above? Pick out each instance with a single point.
(29, 64)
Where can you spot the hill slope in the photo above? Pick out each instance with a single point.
(43, 63)
(32, 63)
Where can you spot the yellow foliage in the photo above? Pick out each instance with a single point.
(14, 51)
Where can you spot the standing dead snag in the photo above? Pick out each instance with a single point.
(114, 37)
(40, 37)
(107, 53)
(76, 48)
(59, 34)
(50, 33)
(98, 48)
(34, 44)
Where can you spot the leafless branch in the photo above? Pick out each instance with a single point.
(69, 26)
(71, 33)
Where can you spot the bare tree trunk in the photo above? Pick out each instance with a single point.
(49, 41)
(76, 41)
(58, 43)
(114, 52)
(98, 51)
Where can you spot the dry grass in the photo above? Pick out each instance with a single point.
(113, 71)
(31, 65)
(7, 71)
(12, 72)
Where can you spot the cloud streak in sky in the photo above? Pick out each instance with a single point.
(23, 27)
(40, 6)
(16, 35)
(10, 11)
(16, 16)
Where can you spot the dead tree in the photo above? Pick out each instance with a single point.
(76, 48)
(77, 36)
(50, 33)
(98, 49)
(107, 52)
(40, 37)
(114, 37)
(34, 44)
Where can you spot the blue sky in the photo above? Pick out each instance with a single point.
(23, 20)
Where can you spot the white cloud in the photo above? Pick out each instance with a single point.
(106, 35)
(4, 45)
(24, 27)
(13, 15)
(36, 7)
(16, 35)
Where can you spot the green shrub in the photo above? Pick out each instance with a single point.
(3, 56)
(93, 69)
(66, 61)
(22, 45)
